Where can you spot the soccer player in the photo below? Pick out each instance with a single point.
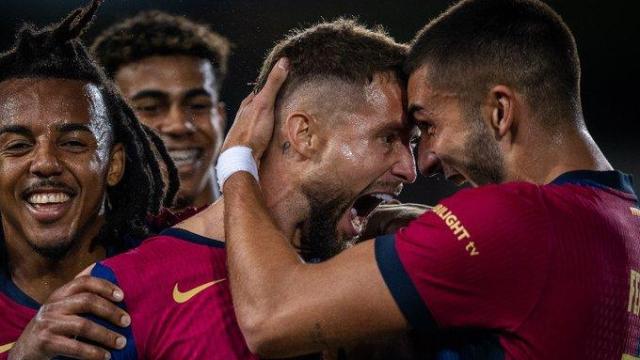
(176, 285)
(539, 261)
(171, 70)
(78, 177)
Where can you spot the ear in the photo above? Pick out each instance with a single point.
(301, 129)
(116, 165)
(502, 101)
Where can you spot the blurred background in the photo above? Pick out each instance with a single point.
(607, 33)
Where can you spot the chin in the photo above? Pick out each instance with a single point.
(53, 249)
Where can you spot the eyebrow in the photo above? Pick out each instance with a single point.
(16, 129)
(157, 94)
(197, 92)
(73, 127)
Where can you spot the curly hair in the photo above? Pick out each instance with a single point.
(56, 52)
(153, 33)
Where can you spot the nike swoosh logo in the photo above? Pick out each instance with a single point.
(5, 348)
(182, 297)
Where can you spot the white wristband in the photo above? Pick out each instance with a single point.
(234, 159)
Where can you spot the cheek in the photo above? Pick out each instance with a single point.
(209, 127)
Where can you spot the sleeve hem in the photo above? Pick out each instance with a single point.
(400, 285)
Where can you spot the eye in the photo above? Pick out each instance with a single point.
(147, 108)
(426, 128)
(389, 138)
(17, 147)
(73, 145)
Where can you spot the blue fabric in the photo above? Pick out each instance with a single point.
(191, 237)
(129, 352)
(8, 287)
(402, 289)
(602, 179)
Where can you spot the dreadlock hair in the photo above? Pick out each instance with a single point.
(56, 52)
(153, 33)
(336, 59)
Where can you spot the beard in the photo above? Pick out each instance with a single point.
(55, 252)
(319, 239)
(484, 160)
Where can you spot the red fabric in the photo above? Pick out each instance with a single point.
(204, 327)
(545, 268)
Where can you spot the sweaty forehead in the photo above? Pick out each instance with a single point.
(170, 74)
(46, 101)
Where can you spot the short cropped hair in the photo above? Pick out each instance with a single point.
(152, 33)
(341, 49)
(476, 44)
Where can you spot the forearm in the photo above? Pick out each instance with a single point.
(261, 261)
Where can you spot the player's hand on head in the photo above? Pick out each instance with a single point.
(389, 218)
(254, 122)
(60, 328)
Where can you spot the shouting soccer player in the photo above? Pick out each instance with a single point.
(344, 105)
(538, 261)
(78, 177)
(170, 70)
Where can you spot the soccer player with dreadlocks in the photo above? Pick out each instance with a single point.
(170, 70)
(78, 177)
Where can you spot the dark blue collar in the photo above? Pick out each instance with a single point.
(601, 179)
(191, 237)
(8, 287)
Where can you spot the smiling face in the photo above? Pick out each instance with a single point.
(56, 159)
(455, 140)
(366, 158)
(177, 97)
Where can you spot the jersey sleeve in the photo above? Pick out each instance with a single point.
(129, 352)
(478, 259)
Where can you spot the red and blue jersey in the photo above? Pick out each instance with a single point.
(176, 290)
(524, 271)
(16, 310)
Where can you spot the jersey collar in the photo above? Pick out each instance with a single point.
(612, 179)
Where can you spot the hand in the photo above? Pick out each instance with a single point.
(59, 322)
(387, 219)
(253, 125)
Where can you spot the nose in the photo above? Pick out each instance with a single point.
(177, 123)
(45, 162)
(405, 167)
(429, 163)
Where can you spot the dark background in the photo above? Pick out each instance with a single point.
(607, 33)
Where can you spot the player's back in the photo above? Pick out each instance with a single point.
(177, 293)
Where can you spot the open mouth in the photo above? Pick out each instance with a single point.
(185, 157)
(363, 207)
(50, 204)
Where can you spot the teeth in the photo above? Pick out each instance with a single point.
(358, 223)
(184, 155)
(383, 197)
(50, 198)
